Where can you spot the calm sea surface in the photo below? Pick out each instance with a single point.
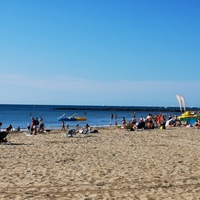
(20, 115)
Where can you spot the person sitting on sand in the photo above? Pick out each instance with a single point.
(140, 125)
(123, 122)
(178, 122)
(186, 124)
(93, 131)
(161, 121)
(3, 135)
(87, 126)
(173, 121)
(87, 129)
(149, 125)
(9, 128)
(197, 123)
(149, 122)
(71, 132)
(128, 126)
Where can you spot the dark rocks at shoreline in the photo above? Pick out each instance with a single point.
(120, 108)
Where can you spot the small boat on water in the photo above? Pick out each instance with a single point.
(73, 117)
(189, 117)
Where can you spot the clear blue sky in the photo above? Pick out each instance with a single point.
(100, 52)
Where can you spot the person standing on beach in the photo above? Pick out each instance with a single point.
(123, 121)
(63, 126)
(134, 121)
(41, 125)
(29, 128)
(33, 126)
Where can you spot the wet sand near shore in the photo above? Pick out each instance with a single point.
(111, 164)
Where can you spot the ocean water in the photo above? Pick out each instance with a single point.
(20, 115)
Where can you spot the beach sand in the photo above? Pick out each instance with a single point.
(113, 164)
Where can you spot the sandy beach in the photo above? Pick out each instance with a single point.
(112, 164)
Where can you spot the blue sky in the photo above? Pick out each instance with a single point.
(100, 52)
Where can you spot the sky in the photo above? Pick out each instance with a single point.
(100, 52)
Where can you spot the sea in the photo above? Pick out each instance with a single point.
(97, 116)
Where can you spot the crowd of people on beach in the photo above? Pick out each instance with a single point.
(81, 130)
(156, 121)
(149, 122)
(36, 126)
